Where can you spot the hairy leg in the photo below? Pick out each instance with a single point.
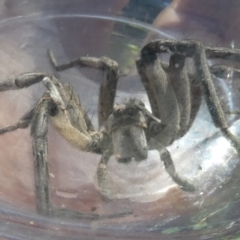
(108, 86)
(169, 166)
(102, 175)
(197, 51)
(161, 95)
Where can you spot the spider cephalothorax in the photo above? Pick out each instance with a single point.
(128, 130)
(130, 125)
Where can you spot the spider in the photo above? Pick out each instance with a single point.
(127, 130)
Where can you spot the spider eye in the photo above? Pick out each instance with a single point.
(131, 111)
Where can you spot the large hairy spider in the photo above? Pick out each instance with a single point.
(128, 130)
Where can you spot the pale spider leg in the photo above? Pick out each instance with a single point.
(108, 86)
(169, 166)
(196, 50)
(75, 109)
(61, 121)
(80, 139)
(44, 110)
(69, 100)
(162, 95)
(102, 174)
(51, 105)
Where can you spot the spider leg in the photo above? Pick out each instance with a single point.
(102, 175)
(43, 111)
(211, 97)
(72, 125)
(62, 107)
(177, 73)
(161, 95)
(108, 86)
(218, 70)
(223, 53)
(196, 50)
(223, 71)
(169, 166)
(22, 81)
(23, 123)
(38, 118)
(39, 134)
(64, 121)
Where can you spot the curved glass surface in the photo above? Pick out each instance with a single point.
(145, 203)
